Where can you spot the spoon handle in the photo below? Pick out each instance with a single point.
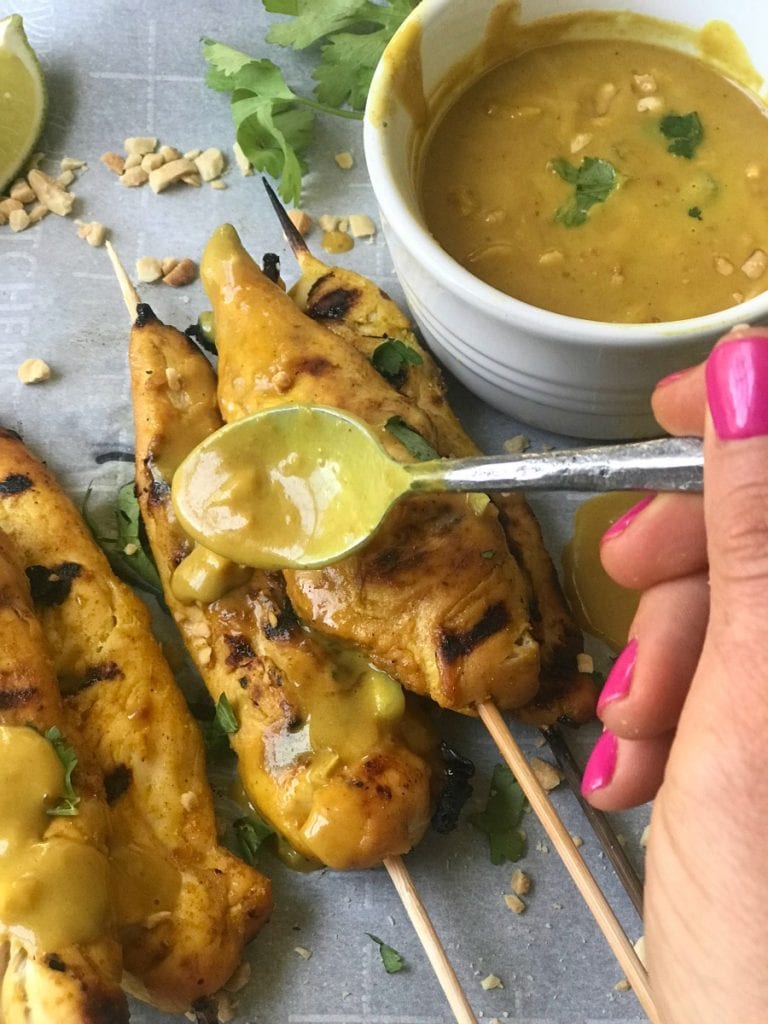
(667, 464)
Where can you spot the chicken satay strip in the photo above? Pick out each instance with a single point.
(328, 751)
(436, 598)
(185, 907)
(59, 954)
(355, 308)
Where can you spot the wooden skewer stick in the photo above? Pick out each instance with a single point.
(430, 940)
(572, 859)
(601, 826)
(397, 870)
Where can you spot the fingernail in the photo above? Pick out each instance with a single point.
(620, 677)
(621, 524)
(737, 388)
(601, 764)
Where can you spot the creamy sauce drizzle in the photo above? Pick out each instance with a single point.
(600, 606)
(54, 890)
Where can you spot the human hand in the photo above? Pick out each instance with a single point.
(686, 704)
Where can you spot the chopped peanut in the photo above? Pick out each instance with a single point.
(584, 663)
(514, 903)
(33, 371)
(548, 776)
(240, 978)
(192, 179)
(168, 263)
(752, 172)
(218, 184)
(148, 269)
(210, 164)
(650, 103)
(134, 177)
(7, 206)
(37, 212)
(521, 882)
(133, 160)
(578, 142)
(182, 274)
(18, 220)
(551, 258)
(139, 145)
(92, 231)
(755, 266)
(604, 97)
(491, 981)
(169, 153)
(71, 163)
(361, 226)
(328, 222)
(170, 173)
(645, 85)
(301, 221)
(50, 193)
(21, 192)
(152, 161)
(242, 160)
(723, 266)
(66, 178)
(345, 160)
(192, 154)
(114, 162)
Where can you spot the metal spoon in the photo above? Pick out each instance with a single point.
(304, 486)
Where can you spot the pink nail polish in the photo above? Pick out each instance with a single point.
(737, 388)
(620, 677)
(622, 523)
(601, 764)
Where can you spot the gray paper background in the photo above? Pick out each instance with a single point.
(133, 67)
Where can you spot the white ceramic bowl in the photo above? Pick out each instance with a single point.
(559, 373)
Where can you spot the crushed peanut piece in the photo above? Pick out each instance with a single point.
(3, 218)
(37, 212)
(173, 379)
(753, 171)
(551, 258)
(645, 85)
(361, 226)
(170, 173)
(169, 153)
(148, 269)
(50, 193)
(130, 549)
(577, 841)
(66, 178)
(114, 162)
(517, 444)
(157, 918)
(304, 953)
(301, 221)
(168, 263)
(328, 222)
(7, 206)
(210, 163)
(140, 145)
(755, 266)
(521, 882)
(345, 160)
(240, 978)
(584, 663)
(21, 192)
(33, 371)
(491, 981)
(225, 1008)
(578, 142)
(182, 274)
(242, 161)
(189, 800)
(723, 266)
(649, 103)
(622, 986)
(218, 184)
(192, 154)
(133, 160)
(514, 903)
(134, 177)
(18, 220)
(92, 231)
(152, 161)
(604, 97)
(548, 776)
(645, 836)
(71, 163)
(192, 179)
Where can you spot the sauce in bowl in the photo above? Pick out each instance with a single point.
(611, 180)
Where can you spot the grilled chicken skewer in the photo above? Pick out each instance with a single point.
(470, 637)
(60, 958)
(185, 907)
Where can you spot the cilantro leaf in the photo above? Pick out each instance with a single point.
(393, 962)
(502, 816)
(392, 357)
(128, 551)
(695, 212)
(593, 181)
(411, 439)
(250, 832)
(225, 717)
(684, 132)
(67, 805)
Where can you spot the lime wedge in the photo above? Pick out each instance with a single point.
(22, 98)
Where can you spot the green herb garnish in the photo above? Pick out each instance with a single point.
(273, 123)
(684, 132)
(393, 962)
(695, 212)
(490, 553)
(411, 439)
(225, 717)
(502, 816)
(250, 832)
(392, 358)
(67, 805)
(128, 551)
(593, 182)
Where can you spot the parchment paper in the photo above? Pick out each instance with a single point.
(133, 67)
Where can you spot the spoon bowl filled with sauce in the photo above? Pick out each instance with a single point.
(575, 196)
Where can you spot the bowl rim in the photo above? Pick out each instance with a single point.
(415, 236)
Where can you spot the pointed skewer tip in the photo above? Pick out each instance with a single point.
(129, 293)
(298, 246)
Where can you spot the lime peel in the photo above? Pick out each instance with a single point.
(23, 98)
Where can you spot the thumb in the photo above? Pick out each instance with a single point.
(736, 495)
